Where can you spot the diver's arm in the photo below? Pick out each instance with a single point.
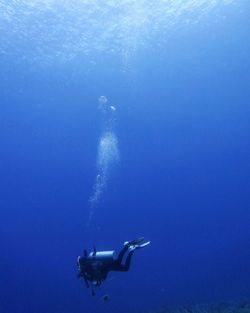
(86, 281)
(79, 267)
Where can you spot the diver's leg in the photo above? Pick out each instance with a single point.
(126, 266)
(131, 246)
(118, 267)
(127, 244)
(118, 261)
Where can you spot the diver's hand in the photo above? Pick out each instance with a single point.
(79, 275)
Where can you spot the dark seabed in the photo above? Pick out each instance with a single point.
(121, 119)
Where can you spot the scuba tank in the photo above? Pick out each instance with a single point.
(102, 256)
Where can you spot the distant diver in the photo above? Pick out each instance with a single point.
(95, 266)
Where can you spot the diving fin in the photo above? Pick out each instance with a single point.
(134, 242)
(145, 244)
(138, 246)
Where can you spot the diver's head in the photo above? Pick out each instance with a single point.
(82, 261)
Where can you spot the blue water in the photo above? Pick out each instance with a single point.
(182, 124)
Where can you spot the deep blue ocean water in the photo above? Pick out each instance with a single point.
(176, 170)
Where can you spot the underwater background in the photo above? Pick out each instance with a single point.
(121, 119)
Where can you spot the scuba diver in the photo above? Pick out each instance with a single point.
(95, 266)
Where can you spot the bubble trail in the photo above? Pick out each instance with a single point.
(108, 154)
